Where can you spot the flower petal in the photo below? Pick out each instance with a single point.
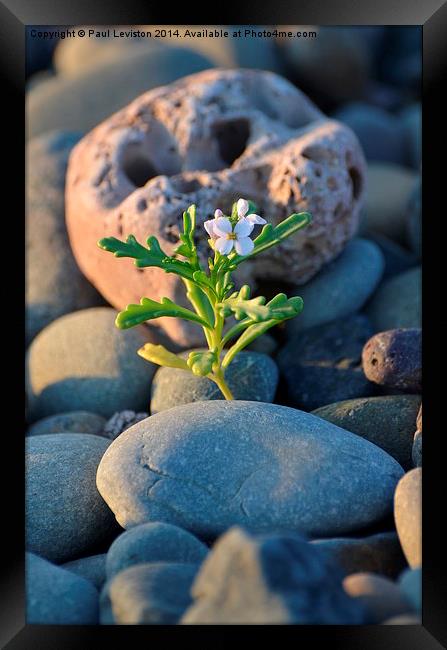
(224, 245)
(222, 227)
(243, 228)
(244, 246)
(218, 213)
(209, 227)
(242, 208)
(255, 219)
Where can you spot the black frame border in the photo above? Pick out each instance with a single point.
(431, 15)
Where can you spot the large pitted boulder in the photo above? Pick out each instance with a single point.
(207, 466)
(209, 139)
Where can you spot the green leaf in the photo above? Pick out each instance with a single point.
(279, 308)
(187, 248)
(161, 356)
(270, 236)
(201, 363)
(144, 257)
(251, 333)
(200, 302)
(241, 306)
(149, 309)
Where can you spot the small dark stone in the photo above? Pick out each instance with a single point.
(381, 597)
(322, 365)
(269, 579)
(394, 359)
(380, 553)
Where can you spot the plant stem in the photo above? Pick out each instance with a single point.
(218, 379)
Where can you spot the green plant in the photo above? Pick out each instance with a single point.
(211, 293)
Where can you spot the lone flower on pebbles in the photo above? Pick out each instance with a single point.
(225, 234)
(211, 291)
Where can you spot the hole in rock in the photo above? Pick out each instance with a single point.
(137, 166)
(356, 180)
(232, 137)
(185, 185)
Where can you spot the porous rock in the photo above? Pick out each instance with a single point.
(209, 139)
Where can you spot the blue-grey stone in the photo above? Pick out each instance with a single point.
(148, 594)
(54, 283)
(83, 101)
(269, 579)
(71, 422)
(251, 376)
(82, 361)
(397, 258)
(323, 364)
(388, 421)
(410, 583)
(64, 512)
(380, 553)
(342, 287)
(397, 303)
(208, 466)
(58, 597)
(380, 133)
(154, 542)
(92, 568)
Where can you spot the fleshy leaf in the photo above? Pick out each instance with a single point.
(241, 306)
(280, 308)
(270, 236)
(163, 357)
(149, 309)
(187, 248)
(201, 363)
(151, 256)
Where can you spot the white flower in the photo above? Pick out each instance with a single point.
(209, 225)
(227, 237)
(242, 209)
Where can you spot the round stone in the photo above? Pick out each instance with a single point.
(398, 302)
(408, 516)
(72, 422)
(389, 190)
(82, 361)
(387, 421)
(57, 597)
(394, 359)
(284, 469)
(92, 568)
(322, 365)
(154, 542)
(56, 288)
(342, 287)
(251, 376)
(64, 512)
